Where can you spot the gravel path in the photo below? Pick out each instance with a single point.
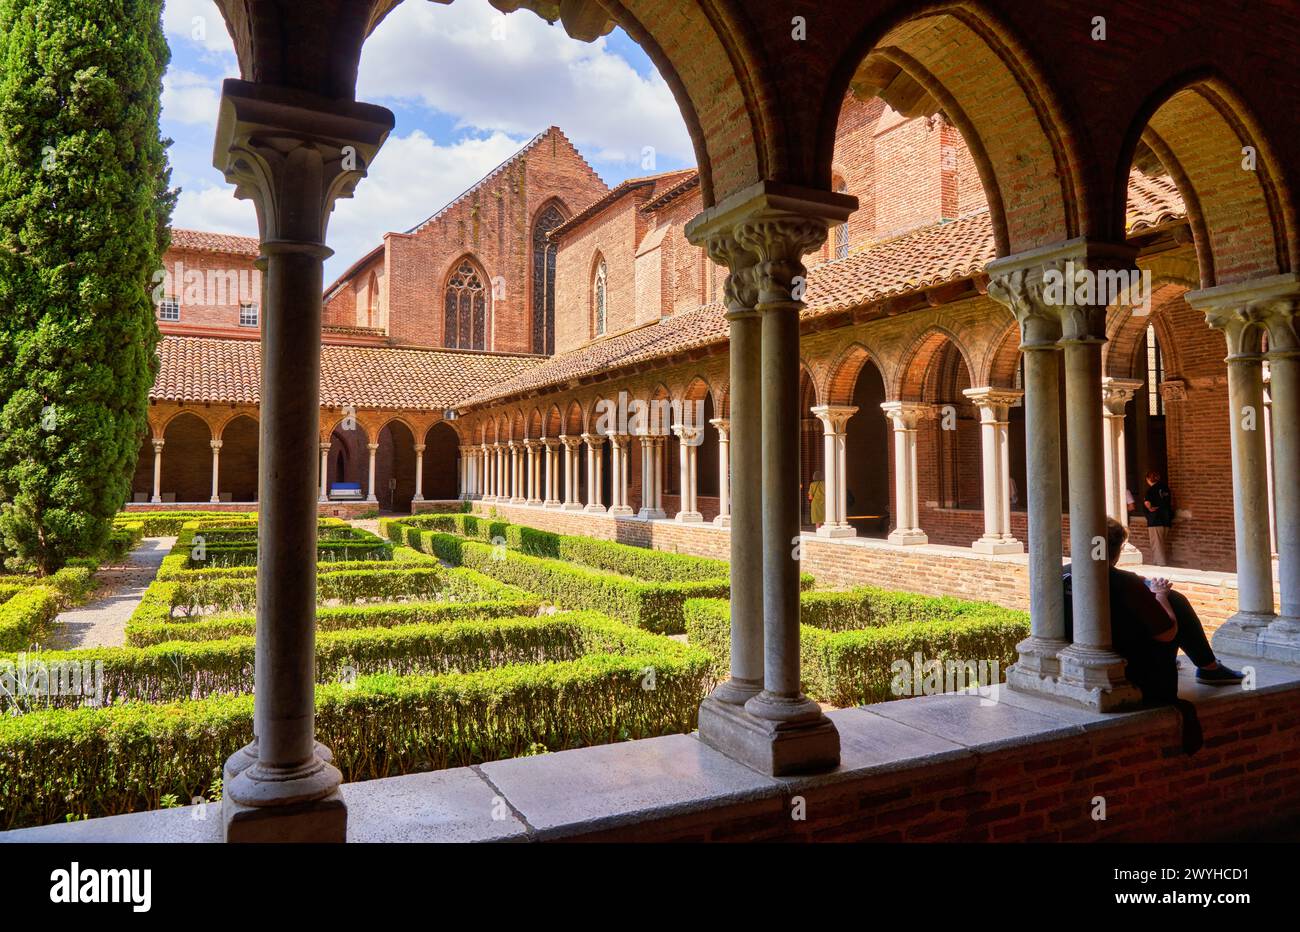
(101, 622)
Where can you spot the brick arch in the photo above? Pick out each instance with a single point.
(989, 84)
(517, 426)
(219, 428)
(913, 377)
(415, 432)
(534, 425)
(844, 373)
(554, 422)
(161, 428)
(809, 391)
(329, 426)
(1002, 364)
(573, 420)
(1125, 335)
(502, 429)
(1243, 222)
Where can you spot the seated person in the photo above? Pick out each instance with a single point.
(1149, 623)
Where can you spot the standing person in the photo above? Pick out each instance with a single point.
(817, 499)
(1159, 505)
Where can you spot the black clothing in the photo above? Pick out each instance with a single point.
(1161, 500)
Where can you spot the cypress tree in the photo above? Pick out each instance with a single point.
(84, 208)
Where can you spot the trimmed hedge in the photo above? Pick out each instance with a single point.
(854, 666)
(27, 616)
(169, 523)
(126, 757)
(637, 562)
(655, 606)
(122, 538)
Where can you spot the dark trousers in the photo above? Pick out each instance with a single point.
(1191, 637)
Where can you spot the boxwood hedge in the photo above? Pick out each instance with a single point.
(850, 640)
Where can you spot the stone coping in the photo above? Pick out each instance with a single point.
(586, 791)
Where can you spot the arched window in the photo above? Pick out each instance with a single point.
(599, 297)
(841, 231)
(372, 300)
(465, 321)
(1155, 374)
(544, 279)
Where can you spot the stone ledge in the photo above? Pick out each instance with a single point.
(676, 787)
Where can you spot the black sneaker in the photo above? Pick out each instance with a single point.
(1219, 676)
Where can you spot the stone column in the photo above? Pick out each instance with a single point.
(1269, 459)
(551, 453)
(618, 450)
(216, 469)
(419, 472)
(993, 404)
(370, 487)
(1281, 639)
(649, 478)
(293, 154)
(723, 427)
(571, 446)
(157, 471)
(906, 416)
(324, 472)
(688, 440)
(1241, 310)
(513, 491)
(834, 419)
(594, 477)
(1115, 396)
(1036, 286)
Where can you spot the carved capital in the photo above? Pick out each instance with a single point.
(834, 418)
(158, 445)
(215, 444)
(1245, 311)
(907, 415)
(740, 292)
(571, 443)
(1117, 393)
(593, 440)
(293, 154)
(994, 403)
(1173, 390)
(780, 242)
(723, 427)
(689, 434)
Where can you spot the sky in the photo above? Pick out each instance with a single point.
(469, 87)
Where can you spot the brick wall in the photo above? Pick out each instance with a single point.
(210, 287)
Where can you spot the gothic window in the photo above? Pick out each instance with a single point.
(599, 297)
(465, 320)
(544, 280)
(1155, 374)
(842, 230)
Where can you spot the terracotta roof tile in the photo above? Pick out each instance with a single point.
(203, 369)
(203, 241)
(1151, 202)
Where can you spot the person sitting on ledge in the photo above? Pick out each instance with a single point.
(1149, 623)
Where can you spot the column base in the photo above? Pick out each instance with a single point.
(156, 500)
(621, 510)
(372, 500)
(722, 521)
(690, 517)
(534, 502)
(551, 504)
(1129, 555)
(1037, 658)
(836, 530)
(518, 501)
(776, 748)
(320, 821)
(1095, 679)
(1281, 640)
(595, 509)
(571, 506)
(215, 500)
(1240, 634)
(652, 514)
(908, 538)
(420, 498)
(997, 545)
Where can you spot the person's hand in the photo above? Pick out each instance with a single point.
(1161, 587)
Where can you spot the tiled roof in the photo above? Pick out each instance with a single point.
(664, 181)
(202, 241)
(935, 255)
(203, 369)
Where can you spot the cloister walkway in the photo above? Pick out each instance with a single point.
(101, 622)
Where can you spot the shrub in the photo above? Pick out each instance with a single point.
(655, 606)
(121, 539)
(853, 666)
(169, 523)
(127, 757)
(27, 616)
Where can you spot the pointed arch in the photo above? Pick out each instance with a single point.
(573, 423)
(554, 422)
(844, 373)
(465, 305)
(916, 376)
(544, 250)
(599, 296)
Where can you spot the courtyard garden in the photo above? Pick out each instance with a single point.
(445, 640)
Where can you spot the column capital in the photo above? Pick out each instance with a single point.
(464, 451)
(512, 445)
(294, 154)
(372, 447)
(1117, 393)
(158, 445)
(834, 418)
(571, 443)
(1061, 291)
(996, 398)
(325, 447)
(532, 444)
(551, 443)
(595, 441)
(907, 415)
(689, 434)
(215, 444)
(723, 426)
(1242, 310)
(740, 291)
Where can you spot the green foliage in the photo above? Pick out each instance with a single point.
(26, 616)
(127, 757)
(122, 538)
(84, 209)
(169, 523)
(849, 640)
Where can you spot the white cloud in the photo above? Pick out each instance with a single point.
(214, 208)
(534, 75)
(190, 98)
(198, 21)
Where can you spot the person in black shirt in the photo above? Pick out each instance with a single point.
(1149, 623)
(1158, 504)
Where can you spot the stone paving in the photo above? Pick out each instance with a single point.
(101, 622)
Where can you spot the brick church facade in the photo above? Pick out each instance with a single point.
(473, 356)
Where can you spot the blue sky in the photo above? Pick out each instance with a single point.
(468, 85)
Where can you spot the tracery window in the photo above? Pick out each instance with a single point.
(842, 230)
(544, 279)
(465, 320)
(599, 297)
